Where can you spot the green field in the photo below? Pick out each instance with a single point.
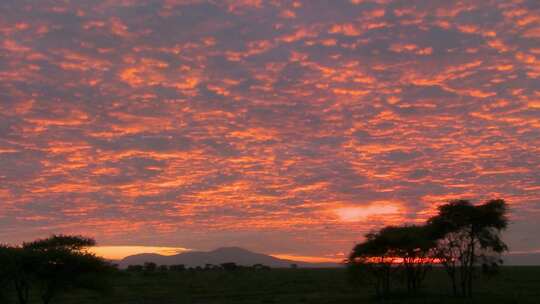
(512, 285)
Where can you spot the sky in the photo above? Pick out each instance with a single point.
(285, 127)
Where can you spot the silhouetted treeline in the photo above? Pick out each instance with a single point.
(463, 238)
(150, 267)
(48, 267)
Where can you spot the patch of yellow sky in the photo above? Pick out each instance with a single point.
(120, 252)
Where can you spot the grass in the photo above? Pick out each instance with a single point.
(512, 285)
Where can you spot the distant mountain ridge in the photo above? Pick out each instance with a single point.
(218, 256)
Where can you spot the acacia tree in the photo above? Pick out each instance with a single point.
(61, 262)
(469, 236)
(373, 262)
(17, 270)
(6, 267)
(414, 246)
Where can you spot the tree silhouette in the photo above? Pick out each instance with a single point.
(373, 262)
(394, 248)
(51, 266)
(66, 243)
(414, 246)
(230, 266)
(163, 268)
(6, 271)
(135, 268)
(461, 237)
(61, 262)
(149, 267)
(178, 267)
(469, 235)
(17, 268)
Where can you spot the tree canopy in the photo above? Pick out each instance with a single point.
(461, 237)
(50, 266)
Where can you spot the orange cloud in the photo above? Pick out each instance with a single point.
(378, 209)
(263, 122)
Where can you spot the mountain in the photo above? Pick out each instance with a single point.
(236, 255)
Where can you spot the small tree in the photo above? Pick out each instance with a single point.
(373, 262)
(468, 236)
(413, 246)
(230, 266)
(178, 267)
(17, 269)
(61, 262)
(149, 267)
(6, 271)
(163, 268)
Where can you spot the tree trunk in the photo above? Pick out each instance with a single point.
(463, 278)
(48, 294)
(454, 284)
(387, 281)
(471, 267)
(22, 293)
(378, 288)
(451, 271)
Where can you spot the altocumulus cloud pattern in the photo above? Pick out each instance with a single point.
(264, 123)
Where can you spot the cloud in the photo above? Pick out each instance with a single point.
(200, 124)
(369, 212)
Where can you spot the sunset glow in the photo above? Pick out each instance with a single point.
(286, 127)
(120, 252)
(362, 213)
(310, 259)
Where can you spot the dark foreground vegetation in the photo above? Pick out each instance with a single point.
(443, 261)
(512, 285)
(47, 268)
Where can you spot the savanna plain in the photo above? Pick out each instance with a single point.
(514, 284)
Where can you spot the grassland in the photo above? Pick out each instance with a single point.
(512, 285)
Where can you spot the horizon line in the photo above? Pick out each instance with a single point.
(119, 252)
